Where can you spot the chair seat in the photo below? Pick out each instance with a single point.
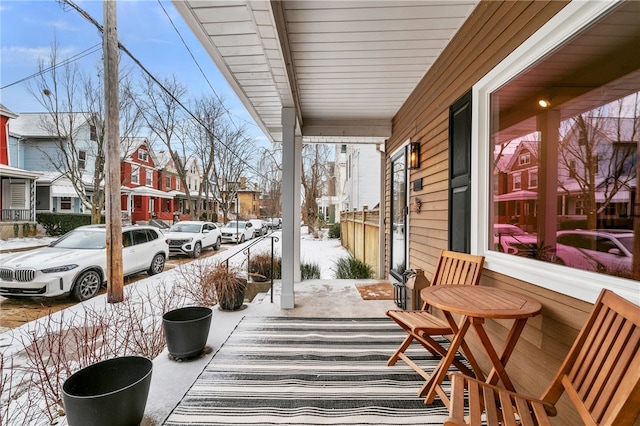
(420, 322)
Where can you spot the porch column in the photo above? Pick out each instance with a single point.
(548, 124)
(291, 163)
(382, 213)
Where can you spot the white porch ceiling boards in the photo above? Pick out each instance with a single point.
(347, 66)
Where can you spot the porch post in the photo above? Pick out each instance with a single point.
(382, 213)
(297, 203)
(548, 124)
(291, 164)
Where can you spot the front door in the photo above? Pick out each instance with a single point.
(399, 211)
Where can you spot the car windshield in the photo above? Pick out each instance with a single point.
(627, 242)
(185, 227)
(82, 239)
(234, 224)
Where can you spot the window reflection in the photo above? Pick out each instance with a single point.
(564, 178)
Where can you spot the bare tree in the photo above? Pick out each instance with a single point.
(314, 174)
(598, 149)
(270, 179)
(233, 155)
(164, 116)
(210, 112)
(73, 99)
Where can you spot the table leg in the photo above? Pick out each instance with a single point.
(498, 372)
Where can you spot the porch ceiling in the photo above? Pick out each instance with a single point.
(346, 66)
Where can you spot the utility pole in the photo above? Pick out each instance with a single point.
(115, 280)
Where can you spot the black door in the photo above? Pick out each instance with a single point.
(460, 175)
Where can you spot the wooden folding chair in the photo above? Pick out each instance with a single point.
(601, 375)
(452, 268)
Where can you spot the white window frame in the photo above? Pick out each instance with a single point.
(583, 285)
(135, 173)
(82, 162)
(148, 177)
(532, 173)
(143, 154)
(517, 181)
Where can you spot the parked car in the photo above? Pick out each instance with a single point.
(190, 237)
(237, 231)
(259, 227)
(511, 239)
(76, 263)
(274, 223)
(610, 249)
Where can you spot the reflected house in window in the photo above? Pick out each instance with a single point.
(570, 165)
(516, 182)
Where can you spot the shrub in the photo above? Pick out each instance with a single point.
(334, 231)
(60, 223)
(260, 267)
(309, 271)
(352, 268)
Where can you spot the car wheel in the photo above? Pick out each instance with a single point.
(197, 251)
(87, 285)
(217, 245)
(157, 265)
(241, 238)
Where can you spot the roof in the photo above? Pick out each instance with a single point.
(17, 173)
(36, 124)
(6, 112)
(347, 67)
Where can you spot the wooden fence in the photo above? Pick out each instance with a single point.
(360, 235)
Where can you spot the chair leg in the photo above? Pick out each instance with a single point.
(403, 347)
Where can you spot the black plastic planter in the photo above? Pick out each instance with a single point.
(186, 330)
(110, 393)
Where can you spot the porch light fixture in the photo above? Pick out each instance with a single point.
(544, 103)
(414, 155)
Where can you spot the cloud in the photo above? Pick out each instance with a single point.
(25, 54)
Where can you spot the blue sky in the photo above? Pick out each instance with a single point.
(28, 29)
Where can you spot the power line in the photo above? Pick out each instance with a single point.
(184, 43)
(156, 81)
(91, 50)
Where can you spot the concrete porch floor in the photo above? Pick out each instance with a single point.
(313, 298)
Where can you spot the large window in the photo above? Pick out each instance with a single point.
(566, 129)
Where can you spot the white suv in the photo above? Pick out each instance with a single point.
(191, 237)
(76, 262)
(610, 249)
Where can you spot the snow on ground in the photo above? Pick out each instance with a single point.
(23, 243)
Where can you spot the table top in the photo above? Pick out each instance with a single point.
(481, 301)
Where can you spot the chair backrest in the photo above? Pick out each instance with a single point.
(457, 268)
(601, 373)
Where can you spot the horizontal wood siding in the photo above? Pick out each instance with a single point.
(492, 32)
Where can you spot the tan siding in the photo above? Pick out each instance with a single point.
(493, 31)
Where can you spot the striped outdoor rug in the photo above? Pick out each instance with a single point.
(310, 371)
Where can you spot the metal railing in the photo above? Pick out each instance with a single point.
(18, 215)
(246, 250)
